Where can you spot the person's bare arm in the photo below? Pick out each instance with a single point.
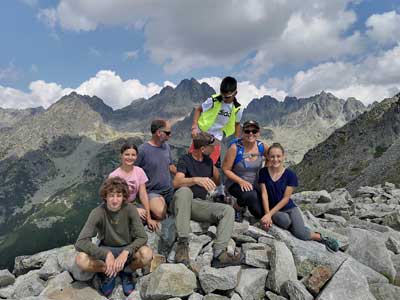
(172, 169)
(196, 116)
(180, 181)
(237, 130)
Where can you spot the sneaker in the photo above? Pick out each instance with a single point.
(107, 284)
(182, 251)
(226, 260)
(238, 215)
(127, 284)
(331, 244)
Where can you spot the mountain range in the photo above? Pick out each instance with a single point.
(53, 161)
(365, 151)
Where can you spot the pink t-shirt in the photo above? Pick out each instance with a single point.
(134, 179)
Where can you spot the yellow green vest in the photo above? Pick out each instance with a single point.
(207, 118)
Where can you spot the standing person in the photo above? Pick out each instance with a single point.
(155, 159)
(136, 179)
(196, 177)
(277, 185)
(219, 116)
(122, 238)
(242, 162)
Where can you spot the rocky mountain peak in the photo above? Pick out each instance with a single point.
(362, 152)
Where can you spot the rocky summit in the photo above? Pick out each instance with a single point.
(365, 151)
(275, 265)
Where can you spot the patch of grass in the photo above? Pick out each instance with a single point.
(379, 150)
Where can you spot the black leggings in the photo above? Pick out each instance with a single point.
(251, 199)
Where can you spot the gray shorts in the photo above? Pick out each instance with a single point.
(116, 251)
(167, 195)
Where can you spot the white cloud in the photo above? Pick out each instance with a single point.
(116, 92)
(41, 94)
(373, 79)
(131, 55)
(106, 84)
(169, 83)
(185, 35)
(384, 28)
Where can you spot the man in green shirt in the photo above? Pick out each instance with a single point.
(122, 238)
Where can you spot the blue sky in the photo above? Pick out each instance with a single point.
(125, 49)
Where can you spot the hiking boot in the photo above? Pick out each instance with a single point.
(107, 284)
(331, 244)
(182, 251)
(127, 284)
(226, 260)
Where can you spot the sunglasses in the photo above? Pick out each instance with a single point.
(229, 96)
(212, 140)
(166, 132)
(248, 131)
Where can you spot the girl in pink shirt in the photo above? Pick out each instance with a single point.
(136, 179)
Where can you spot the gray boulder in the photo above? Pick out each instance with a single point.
(393, 220)
(7, 292)
(24, 264)
(385, 291)
(212, 279)
(256, 258)
(6, 278)
(282, 267)
(50, 268)
(76, 290)
(256, 233)
(28, 285)
(347, 283)
(307, 254)
(57, 284)
(370, 250)
(251, 285)
(396, 264)
(393, 245)
(66, 260)
(195, 296)
(295, 290)
(271, 296)
(311, 197)
(215, 297)
(171, 280)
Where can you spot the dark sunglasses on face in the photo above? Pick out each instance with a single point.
(248, 131)
(167, 132)
(229, 96)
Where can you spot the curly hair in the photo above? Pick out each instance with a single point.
(114, 185)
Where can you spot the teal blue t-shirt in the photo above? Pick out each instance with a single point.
(276, 189)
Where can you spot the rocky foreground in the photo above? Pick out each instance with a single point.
(276, 265)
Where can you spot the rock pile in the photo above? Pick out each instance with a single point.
(276, 265)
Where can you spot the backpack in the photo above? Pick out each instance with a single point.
(240, 149)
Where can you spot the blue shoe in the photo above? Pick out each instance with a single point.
(127, 284)
(331, 244)
(107, 284)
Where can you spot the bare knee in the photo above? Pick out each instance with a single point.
(158, 208)
(144, 255)
(82, 260)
